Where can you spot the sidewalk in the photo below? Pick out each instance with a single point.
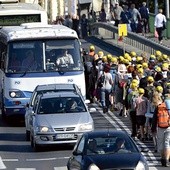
(124, 47)
(166, 41)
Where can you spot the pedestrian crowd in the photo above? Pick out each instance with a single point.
(80, 25)
(138, 87)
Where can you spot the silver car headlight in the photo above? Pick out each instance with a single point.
(93, 167)
(140, 166)
(44, 129)
(84, 127)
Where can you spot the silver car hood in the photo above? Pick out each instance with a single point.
(64, 119)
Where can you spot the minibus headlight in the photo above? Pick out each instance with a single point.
(15, 94)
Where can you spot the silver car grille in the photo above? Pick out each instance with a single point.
(65, 129)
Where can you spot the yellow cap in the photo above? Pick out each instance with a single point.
(114, 60)
(158, 69)
(139, 66)
(165, 66)
(164, 56)
(140, 71)
(150, 79)
(129, 58)
(133, 86)
(101, 53)
(104, 58)
(126, 61)
(141, 91)
(158, 53)
(121, 58)
(109, 56)
(152, 57)
(159, 89)
(92, 47)
(135, 81)
(145, 65)
(138, 58)
(126, 55)
(133, 54)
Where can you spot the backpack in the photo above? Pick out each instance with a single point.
(88, 67)
(101, 80)
(163, 116)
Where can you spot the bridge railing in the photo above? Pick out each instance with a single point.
(138, 41)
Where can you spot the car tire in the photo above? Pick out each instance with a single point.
(27, 135)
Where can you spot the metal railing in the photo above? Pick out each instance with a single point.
(135, 40)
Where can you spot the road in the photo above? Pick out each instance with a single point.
(17, 154)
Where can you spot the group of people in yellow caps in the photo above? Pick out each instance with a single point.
(134, 86)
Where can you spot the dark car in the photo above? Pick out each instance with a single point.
(106, 150)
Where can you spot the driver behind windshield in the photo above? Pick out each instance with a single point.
(65, 58)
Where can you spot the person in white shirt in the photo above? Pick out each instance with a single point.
(65, 59)
(160, 20)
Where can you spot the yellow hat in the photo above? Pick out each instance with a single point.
(135, 81)
(121, 58)
(133, 54)
(104, 59)
(165, 66)
(140, 71)
(101, 53)
(158, 69)
(139, 66)
(126, 55)
(141, 91)
(92, 47)
(158, 53)
(150, 79)
(126, 61)
(129, 58)
(139, 58)
(114, 60)
(159, 89)
(133, 86)
(109, 56)
(165, 57)
(152, 57)
(145, 65)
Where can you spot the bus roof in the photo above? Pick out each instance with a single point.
(19, 8)
(36, 30)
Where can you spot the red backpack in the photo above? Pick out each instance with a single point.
(163, 116)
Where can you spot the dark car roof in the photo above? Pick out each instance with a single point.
(106, 132)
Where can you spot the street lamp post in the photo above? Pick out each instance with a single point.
(167, 8)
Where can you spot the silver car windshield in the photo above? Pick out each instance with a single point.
(61, 105)
(56, 55)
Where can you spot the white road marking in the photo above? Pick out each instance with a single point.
(153, 168)
(25, 168)
(46, 159)
(60, 168)
(2, 165)
(10, 160)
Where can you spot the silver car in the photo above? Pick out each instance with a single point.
(59, 118)
(41, 89)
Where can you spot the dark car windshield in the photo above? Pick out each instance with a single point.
(110, 145)
(61, 105)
